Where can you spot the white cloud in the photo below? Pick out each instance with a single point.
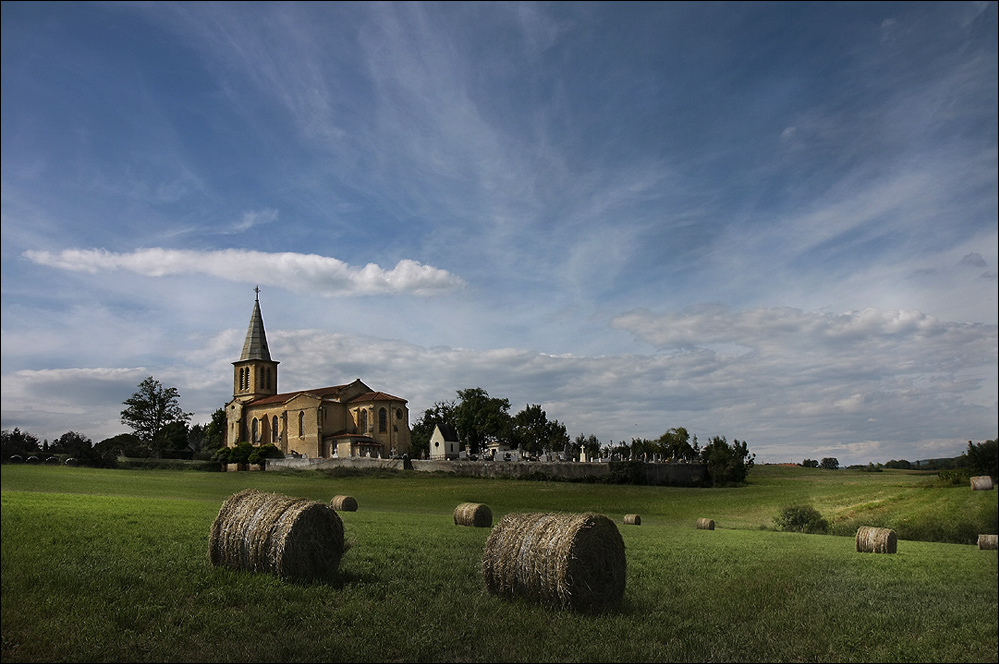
(296, 272)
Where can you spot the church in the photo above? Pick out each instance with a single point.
(338, 421)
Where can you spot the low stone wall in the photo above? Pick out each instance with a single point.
(335, 462)
(624, 472)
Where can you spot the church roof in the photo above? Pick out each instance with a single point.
(376, 396)
(448, 432)
(255, 346)
(332, 392)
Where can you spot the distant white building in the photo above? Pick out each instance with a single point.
(501, 451)
(444, 443)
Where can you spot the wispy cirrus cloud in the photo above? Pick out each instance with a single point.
(293, 271)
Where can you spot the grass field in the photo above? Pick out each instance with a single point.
(111, 565)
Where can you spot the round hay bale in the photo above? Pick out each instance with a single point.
(632, 520)
(292, 538)
(705, 524)
(876, 540)
(570, 561)
(981, 483)
(477, 515)
(988, 542)
(344, 504)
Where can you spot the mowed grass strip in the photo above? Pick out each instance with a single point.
(119, 572)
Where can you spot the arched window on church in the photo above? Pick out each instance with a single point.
(363, 420)
(274, 429)
(382, 420)
(255, 430)
(301, 423)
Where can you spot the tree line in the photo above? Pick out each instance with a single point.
(160, 429)
(480, 419)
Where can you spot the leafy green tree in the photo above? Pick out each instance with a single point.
(982, 458)
(215, 430)
(810, 463)
(172, 441)
(478, 417)
(588, 444)
(622, 450)
(534, 432)
(150, 409)
(643, 449)
(675, 444)
(829, 463)
(727, 464)
(75, 445)
(124, 444)
(14, 441)
(205, 439)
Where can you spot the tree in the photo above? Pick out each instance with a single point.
(810, 463)
(829, 463)
(172, 441)
(982, 458)
(589, 444)
(534, 432)
(675, 444)
(124, 444)
(151, 409)
(478, 418)
(204, 439)
(74, 445)
(727, 464)
(14, 441)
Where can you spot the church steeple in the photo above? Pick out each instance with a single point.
(255, 346)
(255, 374)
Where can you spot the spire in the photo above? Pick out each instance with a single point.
(255, 346)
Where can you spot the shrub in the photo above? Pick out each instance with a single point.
(800, 519)
(266, 451)
(954, 477)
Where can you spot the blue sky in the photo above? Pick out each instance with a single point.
(771, 222)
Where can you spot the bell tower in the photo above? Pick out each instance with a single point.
(255, 374)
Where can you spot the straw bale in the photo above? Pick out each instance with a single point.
(876, 540)
(344, 503)
(292, 538)
(981, 483)
(632, 520)
(477, 515)
(705, 524)
(990, 542)
(568, 561)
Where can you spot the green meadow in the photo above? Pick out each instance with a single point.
(111, 566)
